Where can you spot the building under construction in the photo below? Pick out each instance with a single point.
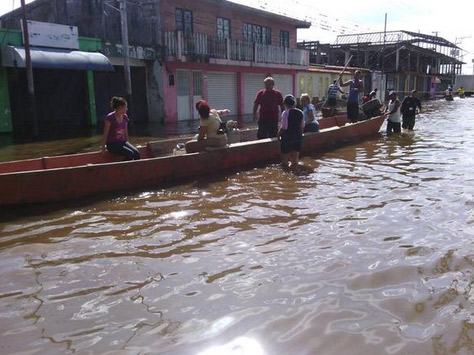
(407, 60)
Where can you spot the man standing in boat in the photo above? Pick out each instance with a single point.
(333, 92)
(355, 87)
(270, 102)
(408, 110)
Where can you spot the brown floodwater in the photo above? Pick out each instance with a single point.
(372, 253)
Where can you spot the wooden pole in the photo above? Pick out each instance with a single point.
(31, 107)
(126, 53)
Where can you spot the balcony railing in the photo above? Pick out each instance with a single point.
(197, 44)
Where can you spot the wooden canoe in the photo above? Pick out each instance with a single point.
(69, 177)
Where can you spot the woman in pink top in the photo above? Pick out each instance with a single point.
(116, 131)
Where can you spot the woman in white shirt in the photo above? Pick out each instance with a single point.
(210, 132)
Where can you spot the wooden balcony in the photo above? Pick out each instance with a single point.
(198, 47)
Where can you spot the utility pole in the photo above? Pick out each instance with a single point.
(126, 53)
(384, 77)
(31, 107)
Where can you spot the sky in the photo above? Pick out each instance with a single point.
(449, 20)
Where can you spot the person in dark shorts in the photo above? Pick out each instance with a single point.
(408, 110)
(270, 101)
(355, 87)
(333, 92)
(291, 133)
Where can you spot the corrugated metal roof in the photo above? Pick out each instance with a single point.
(13, 56)
(392, 37)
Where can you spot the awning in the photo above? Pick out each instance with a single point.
(46, 58)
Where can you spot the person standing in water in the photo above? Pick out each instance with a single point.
(270, 101)
(408, 110)
(115, 138)
(291, 133)
(394, 122)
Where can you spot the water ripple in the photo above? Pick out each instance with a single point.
(372, 251)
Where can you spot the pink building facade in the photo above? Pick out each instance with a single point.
(221, 52)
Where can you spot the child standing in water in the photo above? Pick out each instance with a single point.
(291, 133)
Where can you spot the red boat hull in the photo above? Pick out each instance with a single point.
(70, 177)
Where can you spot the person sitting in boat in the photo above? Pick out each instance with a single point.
(461, 92)
(115, 138)
(210, 133)
(365, 98)
(309, 113)
(291, 133)
(372, 107)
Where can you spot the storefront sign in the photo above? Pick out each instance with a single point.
(135, 52)
(43, 34)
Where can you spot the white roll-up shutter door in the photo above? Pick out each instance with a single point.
(284, 84)
(253, 83)
(222, 91)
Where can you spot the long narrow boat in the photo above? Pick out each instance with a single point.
(69, 177)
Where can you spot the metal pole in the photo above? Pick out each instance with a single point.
(126, 52)
(29, 72)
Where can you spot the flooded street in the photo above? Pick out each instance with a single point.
(372, 253)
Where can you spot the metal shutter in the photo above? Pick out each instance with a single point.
(222, 91)
(253, 83)
(284, 84)
(182, 95)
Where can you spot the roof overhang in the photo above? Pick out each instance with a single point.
(46, 58)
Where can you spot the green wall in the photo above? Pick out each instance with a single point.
(10, 37)
(14, 38)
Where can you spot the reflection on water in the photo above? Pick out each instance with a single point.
(370, 254)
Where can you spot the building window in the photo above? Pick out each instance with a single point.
(223, 27)
(284, 39)
(257, 34)
(184, 21)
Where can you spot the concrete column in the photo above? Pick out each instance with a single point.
(240, 94)
(179, 38)
(228, 48)
(91, 93)
(397, 60)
